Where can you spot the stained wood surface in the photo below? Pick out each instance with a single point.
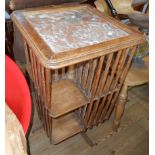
(131, 139)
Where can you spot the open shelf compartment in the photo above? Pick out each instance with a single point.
(65, 127)
(66, 97)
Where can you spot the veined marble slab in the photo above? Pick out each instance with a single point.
(72, 29)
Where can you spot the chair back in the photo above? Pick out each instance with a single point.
(17, 94)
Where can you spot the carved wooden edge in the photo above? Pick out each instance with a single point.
(55, 61)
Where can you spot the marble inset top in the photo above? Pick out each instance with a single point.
(72, 29)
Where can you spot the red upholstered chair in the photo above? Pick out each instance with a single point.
(17, 94)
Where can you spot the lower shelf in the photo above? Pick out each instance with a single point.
(65, 127)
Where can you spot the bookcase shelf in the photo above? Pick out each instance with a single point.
(66, 97)
(65, 127)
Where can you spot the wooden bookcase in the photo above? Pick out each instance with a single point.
(77, 59)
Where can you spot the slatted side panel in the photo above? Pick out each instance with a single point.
(120, 80)
(109, 74)
(84, 75)
(41, 78)
(100, 80)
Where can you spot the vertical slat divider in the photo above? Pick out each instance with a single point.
(35, 82)
(26, 52)
(118, 74)
(32, 70)
(91, 74)
(39, 84)
(38, 78)
(38, 106)
(63, 73)
(94, 87)
(116, 81)
(114, 67)
(77, 72)
(113, 100)
(99, 93)
(35, 72)
(49, 90)
(47, 122)
(85, 75)
(107, 86)
(79, 111)
(48, 84)
(82, 115)
(120, 68)
(44, 96)
(70, 72)
(42, 82)
(83, 111)
(122, 80)
(50, 127)
(56, 74)
(80, 69)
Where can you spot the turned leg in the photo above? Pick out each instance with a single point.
(120, 105)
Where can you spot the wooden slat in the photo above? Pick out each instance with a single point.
(94, 87)
(101, 85)
(35, 71)
(79, 73)
(70, 72)
(63, 74)
(85, 75)
(83, 112)
(32, 68)
(76, 74)
(34, 97)
(26, 52)
(56, 73)
(107, 86)
(114, 67)
(118, 74)
(48, 87)
(43, 102)
(111, 97)
(91, 74)
(35, 82)
(122, 78)
(43, 84)
(38, 81)
(38, 70)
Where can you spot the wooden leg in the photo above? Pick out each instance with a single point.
(120, 105)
